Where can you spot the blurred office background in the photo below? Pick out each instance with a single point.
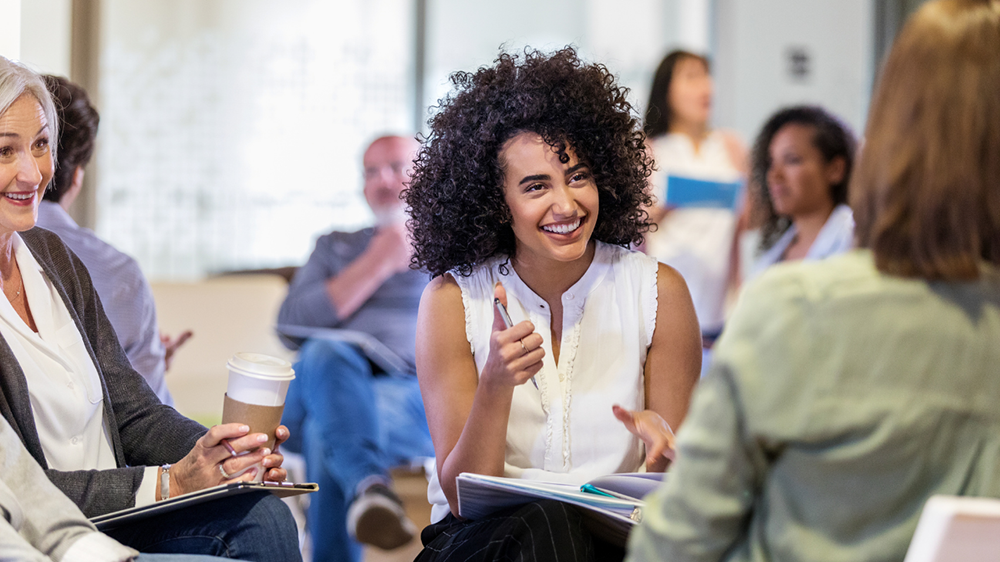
(232, 130)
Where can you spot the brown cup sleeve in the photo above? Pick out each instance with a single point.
(261, 419)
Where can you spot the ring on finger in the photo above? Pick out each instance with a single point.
(222, 471)
(522, 346)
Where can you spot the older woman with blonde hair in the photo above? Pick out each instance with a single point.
(68, 390)
(845, 393)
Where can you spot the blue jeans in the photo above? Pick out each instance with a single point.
(254, 526)
(175, 558)
(354, 423)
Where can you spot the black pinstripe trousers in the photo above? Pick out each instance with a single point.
(542, 531)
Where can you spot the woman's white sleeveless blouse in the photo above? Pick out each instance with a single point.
(564, 430)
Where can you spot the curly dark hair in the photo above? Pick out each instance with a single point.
(78, 121)
(831, 137)
(459, 217)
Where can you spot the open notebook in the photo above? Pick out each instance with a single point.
(610, 518)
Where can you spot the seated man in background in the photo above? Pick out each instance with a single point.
(358, 419)
(124, 292)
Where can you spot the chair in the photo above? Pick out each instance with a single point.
(227, 315)
(953, 528)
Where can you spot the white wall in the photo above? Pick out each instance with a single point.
(693, 25)
(753, 38)
(10, 29)
(232, 130)
(46, 32)
(749, 40)
(630, 36)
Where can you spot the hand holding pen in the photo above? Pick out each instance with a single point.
(515, 350)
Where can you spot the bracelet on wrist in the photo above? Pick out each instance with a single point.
(165, 482)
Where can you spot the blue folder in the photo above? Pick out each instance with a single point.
(683, 192)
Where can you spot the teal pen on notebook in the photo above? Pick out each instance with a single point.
(506, 322)
(591, 489)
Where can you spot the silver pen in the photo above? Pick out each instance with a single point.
(506, 322)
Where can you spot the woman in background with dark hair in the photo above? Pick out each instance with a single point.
(846, 392)
(528, 190)
(802, 161)
(698, 242)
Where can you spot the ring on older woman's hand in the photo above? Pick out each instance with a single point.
(228, 447)
(522, 346)
(223, 472)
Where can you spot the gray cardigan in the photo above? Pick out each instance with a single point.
(143, 431)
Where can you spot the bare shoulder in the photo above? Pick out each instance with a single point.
(670, 285)
(732, 139)
(736, 151)
(440, 318)
(441, 291)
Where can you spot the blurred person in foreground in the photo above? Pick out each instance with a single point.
(38, 523)
(67, 388)
(124, 291)
(846, 392)
(357, 419)
(802, 163)
(699, 242)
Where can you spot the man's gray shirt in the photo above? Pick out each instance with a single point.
(124, 292)
(389, 314)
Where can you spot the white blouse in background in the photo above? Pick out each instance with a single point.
(65, 391)
(695, 242)
(564, 431)
(836, 237)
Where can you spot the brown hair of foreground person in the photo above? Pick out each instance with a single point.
(926, 192)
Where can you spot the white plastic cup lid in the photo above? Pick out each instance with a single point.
(258, 365)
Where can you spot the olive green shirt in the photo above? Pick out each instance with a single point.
(840, 399)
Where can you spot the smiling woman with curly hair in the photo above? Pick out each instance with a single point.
(460, 217)
(528, 192)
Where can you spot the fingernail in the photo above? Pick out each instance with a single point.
(244, 428)
(262, 438)
(266, 451)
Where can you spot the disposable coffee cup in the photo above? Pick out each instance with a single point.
(255, 395)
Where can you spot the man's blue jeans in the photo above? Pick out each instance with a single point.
(176, 558)
(255, 526)
(354, 423)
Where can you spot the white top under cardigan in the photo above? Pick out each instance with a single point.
(67, 400)
(564, 430)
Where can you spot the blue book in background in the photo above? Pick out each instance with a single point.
(690, 193)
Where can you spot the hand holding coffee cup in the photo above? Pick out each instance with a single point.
(203, 467)
(256, 397)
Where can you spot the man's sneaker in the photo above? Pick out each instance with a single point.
(376, 517)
